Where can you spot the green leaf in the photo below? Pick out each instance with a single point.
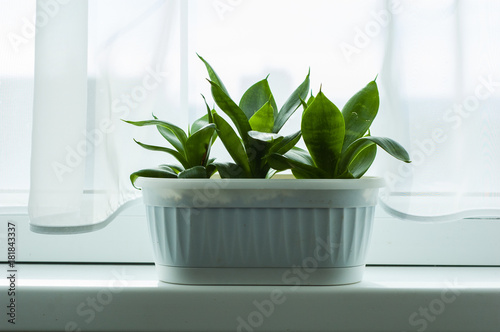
(310, 100)
(174, 168)
(323, 132)
(173, 134)
(284, 145)
(173, 152)
(390, 146)
(232, 143)
(198, 124)
(271, 173)
(303, 103)
(265, 137)
(263, 119)
(256, 97)
(209, 111)
(196, 172)
(198, 145)
(228, 106)
(213, 75)
(362, 161)
(301, 156)
(295, 162)
(151, 173)
(291, 105)
(230, 171)
(211, 168)
(296, 156)
(360, 164)
(259, 144)
(359, 113)
(256, 151)
(210, 118)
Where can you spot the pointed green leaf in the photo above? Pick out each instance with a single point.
(271, 173)
(390, 146)
(291, 105)
(199, 123)
(362, 161)
(279, 162)
(173, 134)
(209, 111)
(263, 119)
(310, 100)
(198, 145)
(211, 168)
(196, 172)
(359, 113)
(174, 153)
(323, 132)
(228, 106)
(296, 155)
(360, 164)
(174, 168)
(284, 145)
(302, 174)
(301, 156)
(213, 75)
(303, 103)
(230, 171)
(259, 144)
(210, 119)
(256, 97)
(295, 162)
(151, 173)
(265, 137)
(232, 143)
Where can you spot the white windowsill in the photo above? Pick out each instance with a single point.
(129, 298)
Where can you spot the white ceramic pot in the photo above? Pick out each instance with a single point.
(258, 231)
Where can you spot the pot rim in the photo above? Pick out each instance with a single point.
(264, 184)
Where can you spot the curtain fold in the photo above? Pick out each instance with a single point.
(96, 63)
(444, 74)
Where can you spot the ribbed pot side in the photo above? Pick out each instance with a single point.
(263, 237)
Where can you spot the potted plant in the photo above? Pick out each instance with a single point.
(245, 228)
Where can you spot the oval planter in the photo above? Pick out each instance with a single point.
(260, 231)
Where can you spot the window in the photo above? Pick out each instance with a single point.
(437, 73)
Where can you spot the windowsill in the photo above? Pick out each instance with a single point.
(129, 298)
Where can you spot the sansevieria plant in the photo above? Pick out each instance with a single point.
(257, 121)
(339, 143)
(191, 149)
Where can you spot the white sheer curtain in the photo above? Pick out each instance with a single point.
(442, 79)
(96, 63)
(438, 68)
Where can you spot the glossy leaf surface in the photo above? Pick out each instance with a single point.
(173, 152)
(232, 143)
(198, 145)
(173, 134)
(323, 133)
(256, 97)
(263, 119)
(291, 104)
(359, 113)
